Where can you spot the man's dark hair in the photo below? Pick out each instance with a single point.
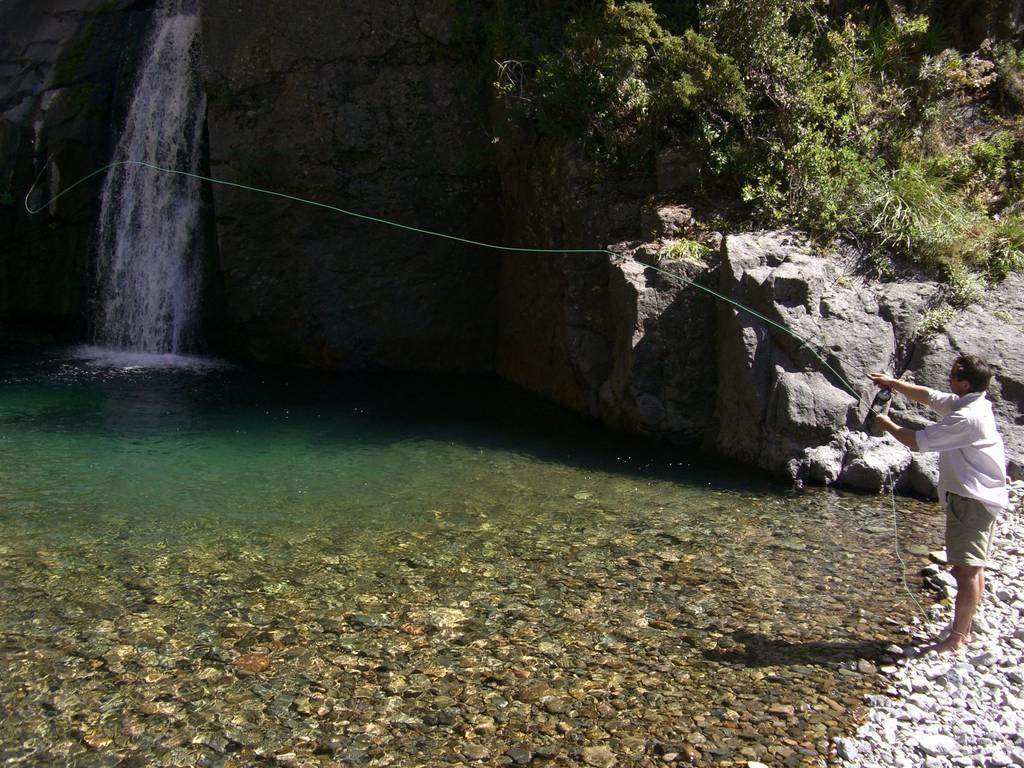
(974, 371)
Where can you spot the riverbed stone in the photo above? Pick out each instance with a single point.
(599, 757)
(936, 744)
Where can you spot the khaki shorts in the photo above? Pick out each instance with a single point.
(969, 530)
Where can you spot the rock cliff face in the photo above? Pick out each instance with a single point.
(782, 399)
(64, 70)
(609, 338)
(370, 107)
(602, 336)
(797, 415)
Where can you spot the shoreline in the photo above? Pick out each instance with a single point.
(962, 709)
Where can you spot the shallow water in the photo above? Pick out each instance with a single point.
(207, 565)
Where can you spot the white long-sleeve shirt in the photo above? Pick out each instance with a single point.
(972, 461)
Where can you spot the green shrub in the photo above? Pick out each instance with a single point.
(865, 125)
(881, 260)
(963, 287)
(845, 281)
(990, 155)
(1010, 65)
(623, 85)
(957, 167)
(950, 73)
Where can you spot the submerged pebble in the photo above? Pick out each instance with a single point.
(604, 646)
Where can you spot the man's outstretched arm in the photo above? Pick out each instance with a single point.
(915, 392)
(905, 435)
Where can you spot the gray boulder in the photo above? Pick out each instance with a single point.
(792, 373)
(921, 478)
(664, 220)
(785, 374)
(873, 464)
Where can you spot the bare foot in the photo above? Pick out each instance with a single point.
(951, 644)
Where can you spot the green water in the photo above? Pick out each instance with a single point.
(114, 443)
(164, 527)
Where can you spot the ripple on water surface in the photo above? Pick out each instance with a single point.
(203, 564)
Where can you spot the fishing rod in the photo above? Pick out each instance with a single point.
(819, 354)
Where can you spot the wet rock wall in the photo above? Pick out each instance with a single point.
(369, 107)
(65, 70)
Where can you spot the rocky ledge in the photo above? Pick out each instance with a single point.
(654, 353)
(779, 405)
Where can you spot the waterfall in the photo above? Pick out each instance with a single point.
(149, 261)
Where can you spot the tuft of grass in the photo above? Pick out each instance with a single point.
(919, 215)
(686, 250)
(1007, 248)
(933, 321)
(963, 287)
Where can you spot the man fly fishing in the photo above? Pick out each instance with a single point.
(972, 476)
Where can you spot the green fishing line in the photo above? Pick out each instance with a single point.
(604, 251)
(514, 249)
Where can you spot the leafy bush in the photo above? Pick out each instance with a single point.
(990, 155)
(863, 125)
(623, 84)
(962, 286)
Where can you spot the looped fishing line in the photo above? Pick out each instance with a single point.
(818, 354)
(896, 547)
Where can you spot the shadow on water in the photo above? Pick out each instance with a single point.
(67, 395)
(751, 649)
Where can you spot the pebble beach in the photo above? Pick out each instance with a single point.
(963, 709)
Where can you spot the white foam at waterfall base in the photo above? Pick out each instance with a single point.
(149, 260)
(127, 361)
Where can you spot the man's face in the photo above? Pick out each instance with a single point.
(957, 385)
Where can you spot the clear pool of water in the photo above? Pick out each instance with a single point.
(207, 564)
